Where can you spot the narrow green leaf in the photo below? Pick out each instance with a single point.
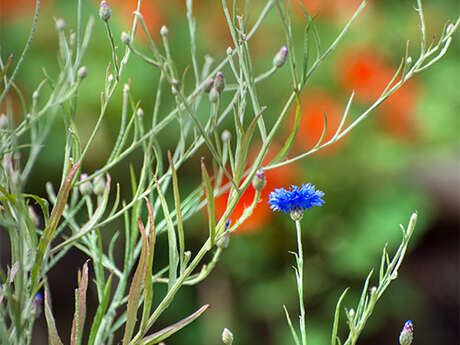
(180, 226)
(7, 64)
(335, 326)
(53, 336)
(290, 140)
(43, 203)
(80, 312)
(291, 327)
(210, 201)
(168, 331)
(135, 290)
(324, 131)
(172, 244)
(100, 312)
(48, 233)
(363, 295)
(148, 284)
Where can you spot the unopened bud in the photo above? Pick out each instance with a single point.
(208, 85)
(163, 30)
(219, 82)
(86, 188)
(33, 216)
(140, 112)
(3, 121)
(110, 78)
(99, 185)
(213, 95)
(229, 50)
(82, 73)
(259, 181)
(223, 241)
(226, 135)
(37, 303)
(280, 58)
(104, 11)
(174, 90)
(296, 214)
(35, 94)
(409, 60)
(125, 38)
(351, 313)
(227, 337)
(60, 24)
(407, 334)
(126, 88)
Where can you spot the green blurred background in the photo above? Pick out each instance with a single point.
(405, 157)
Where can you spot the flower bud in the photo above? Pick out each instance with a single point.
(82, 73)
(140, 112)
(35, 94)
(110, 78)
(164, 30)
(409, 60)
(227, 337)
(259, 181)
(208, 85)
(280, 58)
(219, 82)
(99, 185)
(213, 95)
(226, 135)
(3, 121)
(37, 304)
(104, 11)
(223, 242)
(407, 334)
(60, 24)
(125, 38)
(229, 50)
(33, 216)
(86, 188)
(297, 214)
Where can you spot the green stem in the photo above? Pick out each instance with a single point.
(299, 277)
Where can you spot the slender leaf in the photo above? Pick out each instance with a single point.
(80, 311)
(100, 312)
(291, 327)
(336, 318)
(53, 336)
(210, 201)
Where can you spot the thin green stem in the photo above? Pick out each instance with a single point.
(299, 276)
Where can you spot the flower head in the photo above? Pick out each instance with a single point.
(296, 198)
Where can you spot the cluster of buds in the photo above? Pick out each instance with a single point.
(215, 87)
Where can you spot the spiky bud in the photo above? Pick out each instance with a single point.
(86, 187)
(227, 337)
(407, 333)
(259, 181)
(280, 58)
(104, 11)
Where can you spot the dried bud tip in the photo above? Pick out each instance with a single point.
(280, 58)
(164, 30)
(82, 73)
(60, 24)
(125, 38)
(227, 337)
(104, 11)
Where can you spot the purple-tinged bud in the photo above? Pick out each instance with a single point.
(219, 82)
(407, 334)
(3, 121)
(37, 304)
(280, 58)
(227, 337)
(104, 11)
(213, 95)
(82, 73)
(208, 85)
(259, 181)
(86, 188)
(125, 38)
(99, 185)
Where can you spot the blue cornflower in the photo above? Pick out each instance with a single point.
(296, 199)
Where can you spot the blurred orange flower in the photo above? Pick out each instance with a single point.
(313, 106)
(283, 176)
(365, 71)
(330, 9)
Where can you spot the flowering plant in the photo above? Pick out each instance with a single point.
(86, 212)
